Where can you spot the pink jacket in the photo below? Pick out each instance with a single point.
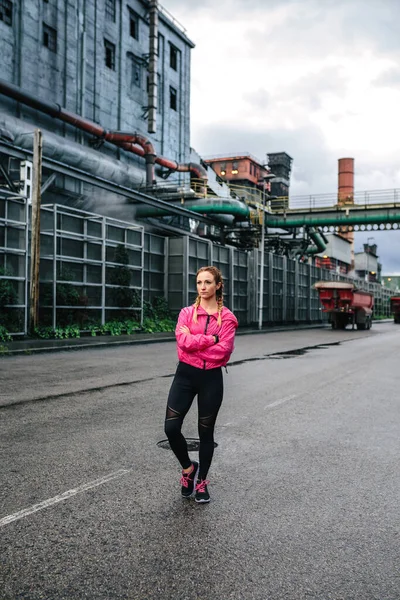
(198, 348)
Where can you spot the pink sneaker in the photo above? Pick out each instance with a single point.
(202, 494)
(188, 480)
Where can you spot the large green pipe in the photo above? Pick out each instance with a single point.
(318, 241)
(230, 207)
(355, 217)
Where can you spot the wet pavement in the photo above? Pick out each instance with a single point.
(305, 481)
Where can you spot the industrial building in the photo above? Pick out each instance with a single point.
(366, 263)
(108, 84)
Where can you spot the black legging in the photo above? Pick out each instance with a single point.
(209, 387)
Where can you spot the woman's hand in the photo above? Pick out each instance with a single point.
(184, 329)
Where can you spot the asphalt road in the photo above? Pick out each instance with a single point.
(305, 482)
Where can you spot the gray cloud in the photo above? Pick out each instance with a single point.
(259, 99)
(389, 78)
(307, 91)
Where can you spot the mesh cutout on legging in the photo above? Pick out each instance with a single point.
(207, 422)
(172, 414)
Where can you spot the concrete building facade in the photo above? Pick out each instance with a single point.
(91, 57)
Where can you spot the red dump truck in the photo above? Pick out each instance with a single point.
(345, 304)
(395, 308)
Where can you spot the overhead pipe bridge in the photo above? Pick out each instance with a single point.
(350, 216)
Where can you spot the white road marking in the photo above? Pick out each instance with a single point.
(279, 402)
(68, 494)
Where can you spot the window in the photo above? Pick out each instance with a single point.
(173, 57)
(136, 71)
(6, 11)
(173, 98)
(133, 25)
(109, 56)
(110, 10)
(49, 38)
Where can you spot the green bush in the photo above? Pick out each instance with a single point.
(4, 335)
(153, 326)
(157, 318)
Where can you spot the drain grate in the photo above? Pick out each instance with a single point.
(193, 444)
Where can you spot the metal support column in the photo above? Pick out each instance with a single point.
(166, 269)
(270, 287)
(232, 278)
(262, 248)
(284, 290)
(54, 294)
(309, 293)
(296, 292)
(185, 271)
(103, 270)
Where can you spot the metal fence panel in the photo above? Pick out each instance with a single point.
(221, 258)
(154, 266)
(14, 262)
(277, 288)
(240, 303)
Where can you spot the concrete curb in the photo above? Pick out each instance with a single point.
(29, 347)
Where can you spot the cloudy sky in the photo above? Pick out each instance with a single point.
(319, 79)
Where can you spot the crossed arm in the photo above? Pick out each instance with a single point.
(204, 345)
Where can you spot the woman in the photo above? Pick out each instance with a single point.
(205, 334)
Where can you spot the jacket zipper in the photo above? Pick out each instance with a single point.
(205, 332)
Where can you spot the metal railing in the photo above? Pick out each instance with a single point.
(365, 199)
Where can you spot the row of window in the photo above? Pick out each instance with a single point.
(50, 34)
(110, 14)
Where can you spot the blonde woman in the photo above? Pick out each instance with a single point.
(205, 335)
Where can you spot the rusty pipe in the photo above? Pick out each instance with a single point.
(132, 142)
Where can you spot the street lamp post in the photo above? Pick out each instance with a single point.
(260, 303)
(262, 262)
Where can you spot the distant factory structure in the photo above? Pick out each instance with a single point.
(123, 195)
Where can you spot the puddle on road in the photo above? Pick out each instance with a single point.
(286, 353)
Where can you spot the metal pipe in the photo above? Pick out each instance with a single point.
(118, 138)
(235, 208)
(355, 217)
(153, 56)
(320, 245)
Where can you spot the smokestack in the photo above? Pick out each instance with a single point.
(346, 195)
(346, 181)
(153, 57)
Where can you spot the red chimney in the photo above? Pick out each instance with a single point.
(346, 195)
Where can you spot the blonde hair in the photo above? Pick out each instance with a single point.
(219, 293)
